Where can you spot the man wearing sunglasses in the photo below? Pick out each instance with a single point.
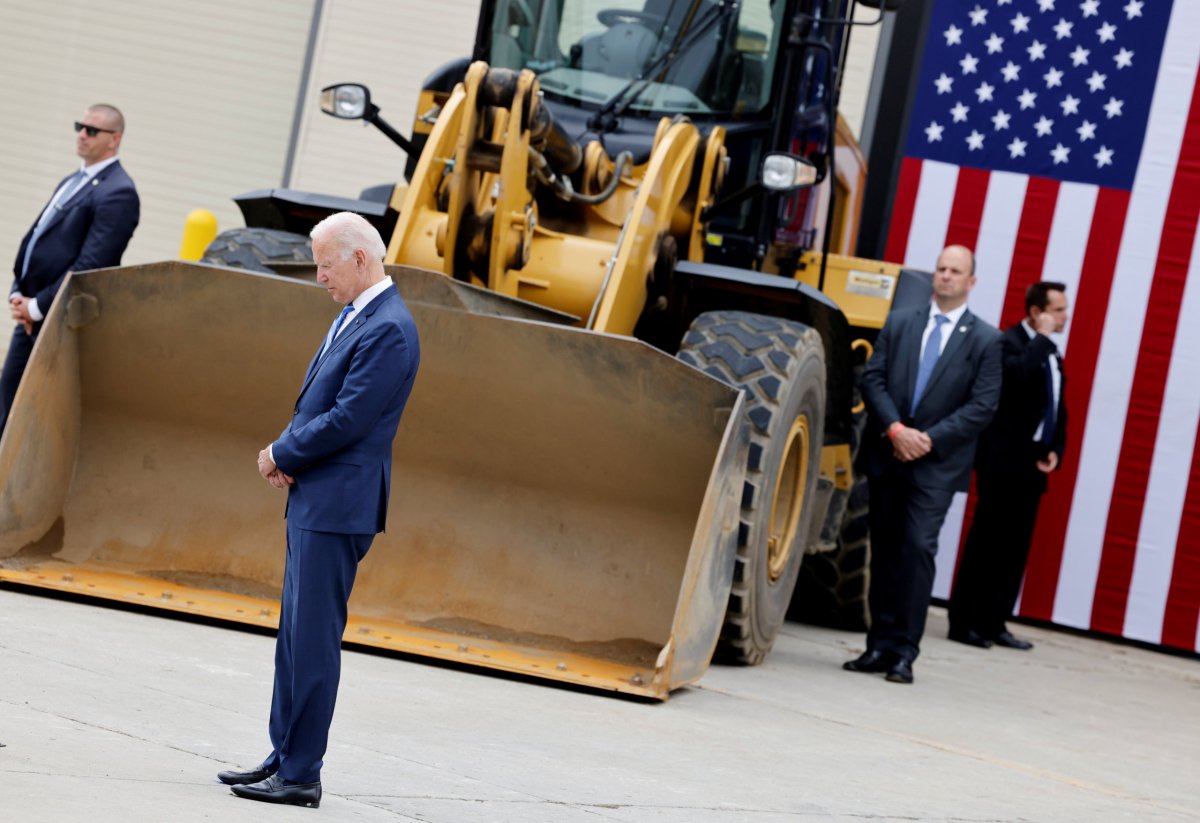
(86, 224)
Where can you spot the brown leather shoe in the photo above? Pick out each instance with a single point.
(277, 790)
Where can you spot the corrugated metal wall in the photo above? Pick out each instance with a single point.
(208, 91)
(391, 47)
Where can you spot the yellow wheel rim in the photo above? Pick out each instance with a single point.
(790, 487)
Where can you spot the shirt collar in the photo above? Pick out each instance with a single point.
(94, 169)
(370, 294)
(954, 314)
(1029, 330)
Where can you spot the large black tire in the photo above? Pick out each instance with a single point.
(780, 367)
(833, 586)
(253, 249)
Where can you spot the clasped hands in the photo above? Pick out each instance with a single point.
(18, 306)
(271, 472)
(910, 444)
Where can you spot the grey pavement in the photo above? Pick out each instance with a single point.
(109, 715)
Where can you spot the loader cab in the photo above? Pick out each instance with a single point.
(609, 70)
(587, 51)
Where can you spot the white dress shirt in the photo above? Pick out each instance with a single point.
(1055, 375)
(954, 315)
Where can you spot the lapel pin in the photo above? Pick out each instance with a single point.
(95, 181)
(962, 329)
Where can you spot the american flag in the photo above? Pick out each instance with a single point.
(1060, 139)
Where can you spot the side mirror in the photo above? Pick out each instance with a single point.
(786, 172)
(347, 101)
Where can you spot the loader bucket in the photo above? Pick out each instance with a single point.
(564, 503)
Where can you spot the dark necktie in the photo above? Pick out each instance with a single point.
(336, 327)
(929, 358)
(1051, 411)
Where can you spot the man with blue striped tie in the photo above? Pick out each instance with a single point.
(86, 224)
(335, 460)
(931, 387)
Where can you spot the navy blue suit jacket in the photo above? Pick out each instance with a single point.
(338, 446)
(89, 231)
(959, 400)
(1007, 446)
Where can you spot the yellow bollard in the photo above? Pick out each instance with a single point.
(199, 229)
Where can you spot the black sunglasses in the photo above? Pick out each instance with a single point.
(92, 131)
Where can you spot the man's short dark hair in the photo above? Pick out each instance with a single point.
(1039, 294)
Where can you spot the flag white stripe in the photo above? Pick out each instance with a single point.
(1123, 325)
(1169, 472)
(997, 234)
(948, 539)
(994, 249)
(931, 214)
(1069, 235)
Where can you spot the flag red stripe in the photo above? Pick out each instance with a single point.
(1149, 385)
(1029, 253)
(1028, 260)
(966, 214)
(1090, 308)
(903, 206)
(1182, 615)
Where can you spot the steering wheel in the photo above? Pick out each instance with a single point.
(615, 17)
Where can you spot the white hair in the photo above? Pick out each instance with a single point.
(350, 231)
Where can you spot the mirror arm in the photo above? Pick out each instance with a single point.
(371, 115)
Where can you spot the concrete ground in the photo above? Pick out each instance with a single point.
(111, 715)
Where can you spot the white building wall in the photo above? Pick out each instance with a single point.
(208, 91)
(391, 48)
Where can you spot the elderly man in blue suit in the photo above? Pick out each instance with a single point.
(335, 460)
(86, 225)
(931, 387)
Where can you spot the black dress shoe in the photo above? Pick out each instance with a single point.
(872, 660)
(970, 637)
(277, 790)
(232, 778)
(1006, 640)
(900, 672)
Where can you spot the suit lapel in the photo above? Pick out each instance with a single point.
(910, 353)
(958, 335)
(356, 326)
(81, 196)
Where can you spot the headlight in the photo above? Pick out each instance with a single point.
(349, 101)
(784, 172)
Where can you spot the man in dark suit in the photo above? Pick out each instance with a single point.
(1017, 452)
(335, 459)
(86, 225)
(931, 387)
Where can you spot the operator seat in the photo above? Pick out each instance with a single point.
(695, 68)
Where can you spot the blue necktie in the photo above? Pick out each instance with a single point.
(56, 203)
(336, 327)
(1048, 418)
(929, 358)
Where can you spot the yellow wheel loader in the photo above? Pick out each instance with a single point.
(636, 414)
